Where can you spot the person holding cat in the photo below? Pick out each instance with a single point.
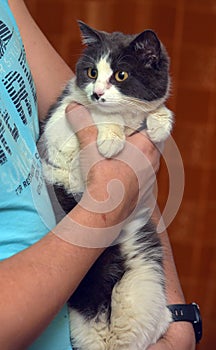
(38, 270)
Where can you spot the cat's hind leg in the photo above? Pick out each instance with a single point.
(139, 315)
(88, 334)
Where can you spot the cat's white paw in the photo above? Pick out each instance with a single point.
(159, 124)
(110, 148)
(110, 141)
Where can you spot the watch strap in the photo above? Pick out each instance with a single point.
(188, 313)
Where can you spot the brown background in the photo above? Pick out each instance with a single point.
(188, 29)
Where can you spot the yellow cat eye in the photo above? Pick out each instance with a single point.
(92, 73)
(121, 76)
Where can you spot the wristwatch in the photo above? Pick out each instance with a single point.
(188, 313)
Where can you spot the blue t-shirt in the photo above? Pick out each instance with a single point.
(26, 213)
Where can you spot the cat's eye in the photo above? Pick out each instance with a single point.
(121, 76)
(92, 73)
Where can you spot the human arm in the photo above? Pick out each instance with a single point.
(180, 335)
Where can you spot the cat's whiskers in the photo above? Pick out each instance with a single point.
(144, 106)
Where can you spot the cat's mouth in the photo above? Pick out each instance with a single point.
(97, 98)
(101, 101)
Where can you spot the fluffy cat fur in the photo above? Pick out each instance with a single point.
(123, 81)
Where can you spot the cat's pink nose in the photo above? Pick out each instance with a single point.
(99, 91)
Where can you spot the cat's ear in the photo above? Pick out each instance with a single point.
(147, 47)
(89, 35)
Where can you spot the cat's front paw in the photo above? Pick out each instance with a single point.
(110, 141)
(159, 124)
(110, 148)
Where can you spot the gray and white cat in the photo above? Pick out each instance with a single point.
(123, 81)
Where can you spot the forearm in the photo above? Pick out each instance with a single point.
(38, 281)
(180, 335)
(174, 291)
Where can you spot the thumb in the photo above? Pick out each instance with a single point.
(82, 124)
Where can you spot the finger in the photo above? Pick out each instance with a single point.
(82, 124)
(86, 132)
(142, 141)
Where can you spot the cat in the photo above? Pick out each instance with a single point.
(123, 80)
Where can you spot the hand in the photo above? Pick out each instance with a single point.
(116, 182)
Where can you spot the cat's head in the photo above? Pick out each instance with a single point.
(118, 70)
